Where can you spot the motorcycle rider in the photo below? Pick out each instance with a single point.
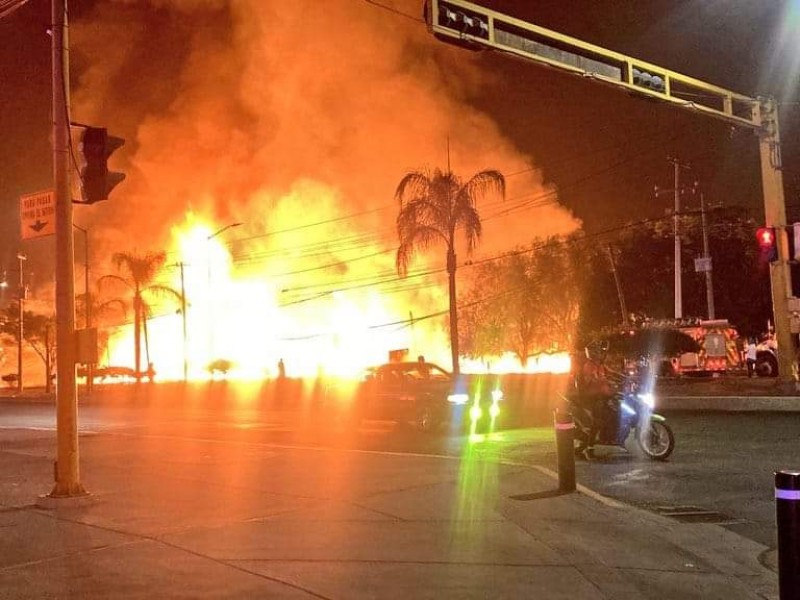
(593, 391)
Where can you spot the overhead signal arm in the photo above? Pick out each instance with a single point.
(476, 27)
(473, 26)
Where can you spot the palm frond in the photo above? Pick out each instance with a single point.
(162, 291)
(106, 278)
(412, 185)
(487, 182)
(418, 238)
(106, 306)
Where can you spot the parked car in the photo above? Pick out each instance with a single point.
(424, 395)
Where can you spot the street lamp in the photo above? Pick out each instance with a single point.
(210, 296)
(20, 327)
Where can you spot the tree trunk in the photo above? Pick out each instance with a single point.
(146, 339)
(137, 325)
(48, 385)
(451, 277)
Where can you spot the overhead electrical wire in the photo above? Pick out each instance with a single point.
(9, 7)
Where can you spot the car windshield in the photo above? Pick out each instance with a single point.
(427, 371)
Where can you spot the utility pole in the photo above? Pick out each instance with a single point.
(20, 326)
(67, 471)
(676, 191)
(622, 307)
(181, 265)
(775, 216)
(708, 264)
(678, 287)
(88, 302)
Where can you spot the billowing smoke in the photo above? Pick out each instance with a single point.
(222, 101)
(280, 115)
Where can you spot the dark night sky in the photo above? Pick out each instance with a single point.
(603, 149)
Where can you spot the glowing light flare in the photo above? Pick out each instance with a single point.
(235, 318)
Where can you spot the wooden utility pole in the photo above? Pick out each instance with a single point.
(709, 264)
(67, 472)
(181, 266)
(21, 324)
(676, 223)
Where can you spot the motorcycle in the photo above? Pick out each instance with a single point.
(629, 411)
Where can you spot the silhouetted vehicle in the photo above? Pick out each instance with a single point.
(219, 366)
(424, 395)
(109, 373)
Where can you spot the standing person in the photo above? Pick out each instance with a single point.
(281, 369)
(422, 367)
(750, 355)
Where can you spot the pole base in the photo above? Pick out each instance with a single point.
(65, 497)
(55, 500)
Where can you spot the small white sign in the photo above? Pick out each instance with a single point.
(37, 214)
(702, 265)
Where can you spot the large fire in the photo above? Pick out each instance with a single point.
(301, 296)
(297, 123)
(243, 317)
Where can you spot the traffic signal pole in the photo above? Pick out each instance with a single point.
(476, 27)
(67, 473)
(775, 216)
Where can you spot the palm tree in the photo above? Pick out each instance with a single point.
(91, 304)
(139, 271)
(433, 206)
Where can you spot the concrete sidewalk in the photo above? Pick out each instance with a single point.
(180, 517)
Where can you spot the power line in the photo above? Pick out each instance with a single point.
(395, 11)
(9, 7)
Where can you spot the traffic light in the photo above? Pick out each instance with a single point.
(652, 81)
(96, 180)
(463, 20)
(768, 243)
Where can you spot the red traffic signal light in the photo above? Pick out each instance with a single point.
(768, 243)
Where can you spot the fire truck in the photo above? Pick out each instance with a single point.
(719, 347)
(717, 340)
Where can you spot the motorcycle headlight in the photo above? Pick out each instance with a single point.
(458, 398)
(647, 399)
(494, 410)
(475, 413)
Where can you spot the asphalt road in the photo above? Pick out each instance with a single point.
(724, 463)
(721, 471)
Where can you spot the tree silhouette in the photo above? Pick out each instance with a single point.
(433, 207)
(38, 332)
(137, 274)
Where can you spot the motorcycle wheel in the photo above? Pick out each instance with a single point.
(656, 440)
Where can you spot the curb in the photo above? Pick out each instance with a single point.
(730, 403)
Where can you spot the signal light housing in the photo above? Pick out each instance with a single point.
(97, 181)
(768, 243)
